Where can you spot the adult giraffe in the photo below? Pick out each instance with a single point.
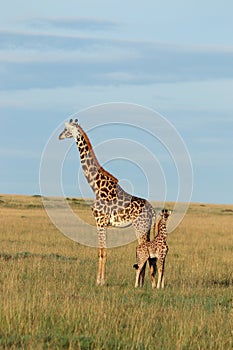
(112, 206)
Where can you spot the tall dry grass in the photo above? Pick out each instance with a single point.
(49, 299)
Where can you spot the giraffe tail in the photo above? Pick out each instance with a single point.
(135, 266)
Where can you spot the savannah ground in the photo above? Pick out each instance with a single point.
(49, 299)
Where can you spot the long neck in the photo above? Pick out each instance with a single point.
(92, 170)
(162, 228)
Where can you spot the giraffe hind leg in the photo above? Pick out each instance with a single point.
(142, 276)
(153, 268)
(140, 273)
(160, 282)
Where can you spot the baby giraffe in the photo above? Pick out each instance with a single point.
(155, 252)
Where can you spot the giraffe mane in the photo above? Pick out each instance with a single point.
(101, 169)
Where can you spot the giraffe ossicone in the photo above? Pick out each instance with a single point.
(112, 205)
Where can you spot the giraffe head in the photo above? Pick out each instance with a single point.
(71, 130)
(165, 213)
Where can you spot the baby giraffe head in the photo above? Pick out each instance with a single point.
(70, 130)
(165, 213)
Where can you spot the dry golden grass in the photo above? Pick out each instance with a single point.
(49, 299)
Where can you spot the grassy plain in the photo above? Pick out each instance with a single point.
(49, 299)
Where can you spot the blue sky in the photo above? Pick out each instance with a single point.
(60, 57)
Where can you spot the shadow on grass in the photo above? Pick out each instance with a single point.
(26, 255)
(225, 282)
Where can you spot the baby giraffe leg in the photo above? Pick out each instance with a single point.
(160, 273)
(162, 282)
(152, 263)
(139, 270)
(142, 275)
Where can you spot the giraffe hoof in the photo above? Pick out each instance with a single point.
(100, 283)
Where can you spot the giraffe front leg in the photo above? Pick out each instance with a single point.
(102, 255)
(98, 280)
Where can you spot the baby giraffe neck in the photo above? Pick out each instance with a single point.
(162, 228)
